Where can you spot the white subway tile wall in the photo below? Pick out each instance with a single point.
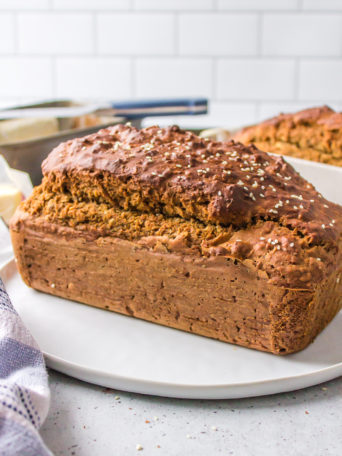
(173, 77)
(104, 78)
(251, 58)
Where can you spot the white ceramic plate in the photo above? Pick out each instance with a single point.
(129, 354)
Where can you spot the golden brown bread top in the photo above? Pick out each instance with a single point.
(176, 173)
(313, 134)
(320, 115)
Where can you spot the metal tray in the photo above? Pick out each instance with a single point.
(28, 155)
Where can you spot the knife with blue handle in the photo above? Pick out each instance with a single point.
(168, 107)
(135, 109)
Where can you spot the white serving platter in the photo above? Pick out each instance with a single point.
(132, 355)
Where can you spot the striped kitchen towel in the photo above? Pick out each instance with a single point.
(24, 391)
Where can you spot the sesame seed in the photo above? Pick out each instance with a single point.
(312, 201)
(278, 247)
(214, 428)
(154, 173)
(255, 184)
(117, 398)
(262, 195)
(139, 447)
(178, 165)
(325, 205)
(318, 259)
(262, 238)
(295, 207)
(224, 162)
(292, 244)
(219, 193)
(273, 211)
(156, 418)
(188, 436)
(323, 226)
(240, 182)
(52, 285)
(338, 280)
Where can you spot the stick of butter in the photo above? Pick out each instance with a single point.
(16, 130)
(10, 197)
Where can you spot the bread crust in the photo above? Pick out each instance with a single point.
(216, 297)
(247, 252)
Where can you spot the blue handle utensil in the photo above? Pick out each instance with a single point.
(136, 109)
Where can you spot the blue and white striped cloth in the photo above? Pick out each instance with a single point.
(24, 391)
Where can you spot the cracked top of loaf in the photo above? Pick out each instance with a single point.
(312, 134)
(170, 191)
(176, 173)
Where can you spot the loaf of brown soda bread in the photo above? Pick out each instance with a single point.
(218, 239)
(313, 134)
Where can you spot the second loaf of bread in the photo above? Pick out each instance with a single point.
(312, 134)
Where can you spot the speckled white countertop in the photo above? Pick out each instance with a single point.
(87, 420)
